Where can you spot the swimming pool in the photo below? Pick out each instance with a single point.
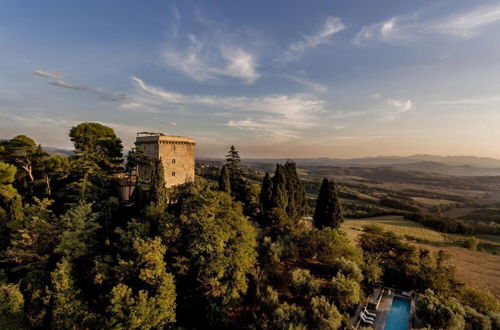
(399, 315)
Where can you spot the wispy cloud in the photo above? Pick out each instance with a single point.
(406, 28)
(469, 101)
(467, 24)
(331, 26)
(47, 73)
(314, 86)
(64, 84)
(101, 94)
(278, 115)
(204, 61)
(397, 107)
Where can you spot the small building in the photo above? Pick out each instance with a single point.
(175, 152)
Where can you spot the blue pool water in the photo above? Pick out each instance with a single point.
(399, 315)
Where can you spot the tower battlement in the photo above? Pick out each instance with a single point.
(175, 152)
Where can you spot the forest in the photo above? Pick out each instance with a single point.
(231, 250)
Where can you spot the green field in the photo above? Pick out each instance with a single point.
(398, 225)
(415, 231)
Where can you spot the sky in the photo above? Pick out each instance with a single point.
(281, 79)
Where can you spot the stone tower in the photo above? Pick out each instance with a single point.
(175, 152)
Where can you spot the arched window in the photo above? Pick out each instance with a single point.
(173, 173)
(173, 160)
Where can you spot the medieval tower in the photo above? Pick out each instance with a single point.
(175, 152)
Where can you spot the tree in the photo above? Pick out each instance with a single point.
(97, 158)
(279, 197)
(68, 310)
(328, 212)
(147, 298)
(213, 248)
(303, 283)
(345, 291)
(158, 187)
(224, 181)
(79, 232)
(266, 193)
(11, 307)
(324, 315)
(233, 159)
(297, 204)
(99, 143)
(239, 188)
(440, 313)
(10, 200)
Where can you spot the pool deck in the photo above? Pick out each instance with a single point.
(383, 311)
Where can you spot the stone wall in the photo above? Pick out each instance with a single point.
(177, 154)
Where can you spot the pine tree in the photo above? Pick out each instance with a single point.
(158, 187)
(328, 212)
(266, 192)
(68, 311)
(233, 158)
(239, 187)
(224, 181)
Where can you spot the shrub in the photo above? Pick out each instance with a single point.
(475, 320)
(471, 243)
(324, 315)
(482, 301)
(303, 283)
(348, 268)
(345, 291)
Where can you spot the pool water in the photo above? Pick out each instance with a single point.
(399, 315)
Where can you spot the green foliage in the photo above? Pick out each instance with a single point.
(482, 301)
(97, 158)
(440, 313)
(471, 243)
(68, 310)
(348, 268)
(328, 212)
(148, 300)
(475, 320)
(213, 248)
(158, 188)
(297, 204)
(327, 245)
(303, 283)
(79, 232)
(224, 181)
(266, 192)
(345, 291)
(324, 315)
(11, 307)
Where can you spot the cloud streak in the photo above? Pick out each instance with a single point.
(47, 74)
(283, 116)
(331, 26)
(100, 94)
(204, 61)
(403, 29)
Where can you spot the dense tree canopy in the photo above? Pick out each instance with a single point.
(222, 252)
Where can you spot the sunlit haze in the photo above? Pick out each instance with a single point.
(275, 78)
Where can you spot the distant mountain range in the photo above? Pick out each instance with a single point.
(450, 165)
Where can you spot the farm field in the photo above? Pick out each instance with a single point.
(477, 269)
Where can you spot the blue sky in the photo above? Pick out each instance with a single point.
(276, 78)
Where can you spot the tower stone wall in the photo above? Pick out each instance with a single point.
(176, 153)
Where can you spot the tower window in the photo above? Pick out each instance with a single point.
(173, 173)
(173, 160)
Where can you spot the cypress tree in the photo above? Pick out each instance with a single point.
(328, 212)
(297, 203)
(158, 186)
(224, 181)
(266, 192)
(279, 197)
